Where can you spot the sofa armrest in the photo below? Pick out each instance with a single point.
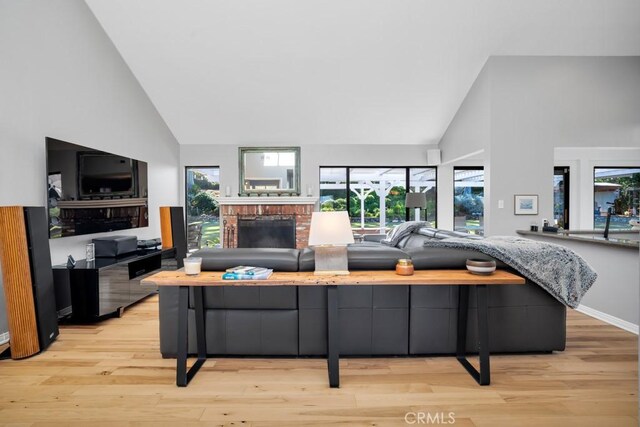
(374, 237)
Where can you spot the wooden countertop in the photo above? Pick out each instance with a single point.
(382, 277)
(584, 236)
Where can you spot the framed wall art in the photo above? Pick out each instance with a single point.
(526, 204)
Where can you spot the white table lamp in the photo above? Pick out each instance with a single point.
(330, 233)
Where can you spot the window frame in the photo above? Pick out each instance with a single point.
(593, 184)
(565, 171)
(453, 184)
(407, 181)
(186, 192)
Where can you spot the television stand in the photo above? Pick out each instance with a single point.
(92, 291)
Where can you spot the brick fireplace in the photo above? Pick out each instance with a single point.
(233, 209)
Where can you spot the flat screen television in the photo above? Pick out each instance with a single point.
(92, 191)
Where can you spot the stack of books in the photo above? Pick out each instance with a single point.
(243, 272)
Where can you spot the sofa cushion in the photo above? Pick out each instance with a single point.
(217, 259)
(361, 256)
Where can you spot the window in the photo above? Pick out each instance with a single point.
(468, 199)
(617, 189)
(203, 216)
(375, 196)
(333, 189)
(561, 196)
(423, 180)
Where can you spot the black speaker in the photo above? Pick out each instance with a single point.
(41, 274)
(179, 234)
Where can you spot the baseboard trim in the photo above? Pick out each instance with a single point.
(4, 338)
(612, 320)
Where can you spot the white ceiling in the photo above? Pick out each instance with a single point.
(298, 72)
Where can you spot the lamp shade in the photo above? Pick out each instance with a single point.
(416, 200)
(330, 228)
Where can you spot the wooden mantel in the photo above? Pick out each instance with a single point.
(266, 200)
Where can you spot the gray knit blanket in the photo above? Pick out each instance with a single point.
(402, 230)
(559, 270)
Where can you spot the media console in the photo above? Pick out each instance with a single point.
(105, 287)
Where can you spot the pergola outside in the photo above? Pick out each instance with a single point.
(364, 182)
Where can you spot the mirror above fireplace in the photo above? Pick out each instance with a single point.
(269, 171)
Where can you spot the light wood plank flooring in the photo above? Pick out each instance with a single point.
(112, 374)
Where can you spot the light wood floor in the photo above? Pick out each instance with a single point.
(112, 374)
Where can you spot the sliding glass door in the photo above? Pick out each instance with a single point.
(423, 180)
(375, 196)
(468, 199)
(202, 214)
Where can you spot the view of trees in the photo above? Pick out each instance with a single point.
(626, 201)
(200, 195)
(201, 202)
(203, 217)
(394, 202)
(339, 203)
(469, 202)
(468, 199)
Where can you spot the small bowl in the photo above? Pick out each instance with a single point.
(481, 266)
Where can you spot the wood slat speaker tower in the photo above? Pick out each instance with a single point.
(27, 278)
(16, 280)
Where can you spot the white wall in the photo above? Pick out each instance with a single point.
(568, 111)
(521, 108)
(62, 77)
(539, 103)
(311, 158)
(466, 142)
(469, 131)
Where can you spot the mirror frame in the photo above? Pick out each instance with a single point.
(295, 191)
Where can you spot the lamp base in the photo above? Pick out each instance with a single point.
(331, 261)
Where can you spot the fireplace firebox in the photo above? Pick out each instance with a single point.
(267, 232)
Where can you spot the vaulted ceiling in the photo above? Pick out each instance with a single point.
(340, 71)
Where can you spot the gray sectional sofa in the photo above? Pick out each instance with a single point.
(374, 320)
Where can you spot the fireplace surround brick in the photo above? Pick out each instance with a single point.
(229, 214)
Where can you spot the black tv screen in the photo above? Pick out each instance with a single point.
(103, 174)
(92, 191)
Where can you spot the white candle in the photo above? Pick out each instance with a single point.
(192, 266)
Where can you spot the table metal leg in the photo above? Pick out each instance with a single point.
(183, 376)
(483, 377)
(463, 313)
(333, 337)
(483, 335)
